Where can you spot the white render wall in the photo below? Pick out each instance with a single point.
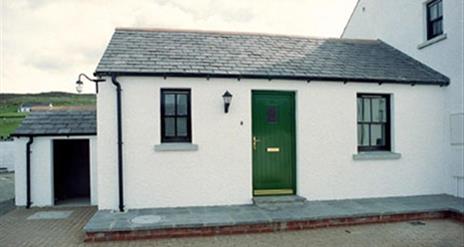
(402, 24)
(42, 189)
(220, 171)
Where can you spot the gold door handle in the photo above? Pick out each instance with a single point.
(255, 141)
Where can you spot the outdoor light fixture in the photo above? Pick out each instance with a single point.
(80, 84)
(227, 99)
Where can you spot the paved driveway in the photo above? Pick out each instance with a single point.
(17, 230)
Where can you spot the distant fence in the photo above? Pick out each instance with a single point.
(7, 154)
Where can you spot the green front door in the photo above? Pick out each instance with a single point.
(273, 142)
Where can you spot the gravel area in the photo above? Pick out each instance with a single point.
(17, 230)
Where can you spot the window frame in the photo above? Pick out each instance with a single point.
(430, 35)
(387, 124)
(176, 139)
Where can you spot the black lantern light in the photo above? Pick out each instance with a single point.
(80, 84)
(227, 99)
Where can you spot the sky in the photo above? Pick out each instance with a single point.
(45, 44)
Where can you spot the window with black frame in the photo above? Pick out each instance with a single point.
(434, 19)
(373, 122)
(175, 115)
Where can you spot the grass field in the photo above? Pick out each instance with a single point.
(10, 118)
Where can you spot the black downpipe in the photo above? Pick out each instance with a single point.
(28, 171)
(120, 175)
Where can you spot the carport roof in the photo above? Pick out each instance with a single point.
(58, 123)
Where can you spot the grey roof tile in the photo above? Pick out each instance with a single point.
(58, 123)
(192, 53)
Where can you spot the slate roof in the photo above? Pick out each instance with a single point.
(51, 123)
(246, 55)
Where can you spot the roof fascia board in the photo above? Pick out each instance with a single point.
(54, 134)
(273, 77)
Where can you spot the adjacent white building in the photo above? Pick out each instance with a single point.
(431, 31)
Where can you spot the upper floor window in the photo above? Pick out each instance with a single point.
(434, 19)
(373, 122)
(175, 115)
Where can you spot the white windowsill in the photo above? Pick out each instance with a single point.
(376, 155)
(432, 41)
(176, 147)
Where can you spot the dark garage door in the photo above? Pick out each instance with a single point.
(71, 169)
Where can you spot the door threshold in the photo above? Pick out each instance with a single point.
(278, 199)
(73, 202)
(273, 192)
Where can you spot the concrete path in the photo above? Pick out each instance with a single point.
(17, 230)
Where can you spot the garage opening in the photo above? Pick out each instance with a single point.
(71, 172)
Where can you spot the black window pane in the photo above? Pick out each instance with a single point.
(169, 127)
(366, 112)
(360, 108)
(377, 135)
(182, 104)
(169, 104)
(439, 9)
(438, 27)
(363, 135)
(182, 126)
(435, 28)
(433, 12)
(379, 110)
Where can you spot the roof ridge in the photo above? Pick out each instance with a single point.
(225, 32)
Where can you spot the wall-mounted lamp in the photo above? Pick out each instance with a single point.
(80, 84)
(227, 99)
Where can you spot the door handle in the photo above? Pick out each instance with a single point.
(255, 142)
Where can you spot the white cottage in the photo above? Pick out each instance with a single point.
(431, 31)
(318, 118)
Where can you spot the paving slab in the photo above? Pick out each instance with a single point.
(50, 215)
(194, 217)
